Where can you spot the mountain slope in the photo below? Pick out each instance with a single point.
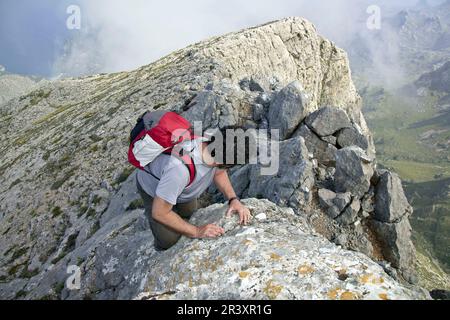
(68, 197)
(12, 85)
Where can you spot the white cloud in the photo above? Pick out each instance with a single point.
(121, 35)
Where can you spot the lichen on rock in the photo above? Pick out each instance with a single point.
(277, 258)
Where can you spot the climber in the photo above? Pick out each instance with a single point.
(170, 192)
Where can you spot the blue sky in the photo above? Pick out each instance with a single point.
(31, 34)
(124, 34)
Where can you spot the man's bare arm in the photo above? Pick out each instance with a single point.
(162, 212)
(223, 183)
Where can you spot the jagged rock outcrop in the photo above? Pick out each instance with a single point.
(68, 197)
(13, 85)
(277, 257)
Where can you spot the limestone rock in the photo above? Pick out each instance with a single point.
(348, 137)
(326, 200)
(351, 213)
(212, 109)
(397, 246)
(353, 171)
(342, 200)
(295, 178)
(277, 258)
(330, 139)
(323, 151)
(391, 204)
(287, 109)
(14, 85)
(334, 203)
(327, 121)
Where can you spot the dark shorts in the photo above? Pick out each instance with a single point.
(164, 236)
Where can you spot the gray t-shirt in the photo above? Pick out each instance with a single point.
(174, 176)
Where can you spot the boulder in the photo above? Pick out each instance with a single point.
(368, 201)
(391, 204)
(213, 109)
(353, 171)
(277, 257)
(294, 180)
(326, 200)
(350, 214)
(327, 121)
(348, 137)
(342, 200)
(287, 109)
(333, 203)
(397, 247)
(330, 139)
(323, 151)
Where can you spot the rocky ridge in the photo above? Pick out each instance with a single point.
(13, 85)
(69, 198)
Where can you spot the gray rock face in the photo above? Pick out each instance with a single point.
(353, 171)
(351, 213)
(13, 85)
(391, 204)
(335, 204)
(352, 137)
(397, 246)
(391, 223)
(288, 109)
(294, 181)
(327, 121)
(212, 109)
(323, 151)
(276, 257)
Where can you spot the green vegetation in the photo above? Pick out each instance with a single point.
(56, 211)
(67, 175)
(58, 287)
(124, 175)
(39, 95)
(94, 228)
(14, 269)
(18, 253)
(411, 138)
(80, 261)
(69, 246)
(15, 182)
(27, 274)
(59, 257)
(20, 294)
(135, 204)
(53, 114)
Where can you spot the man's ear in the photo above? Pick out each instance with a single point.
(206, 155)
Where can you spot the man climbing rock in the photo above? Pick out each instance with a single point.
(170, 192)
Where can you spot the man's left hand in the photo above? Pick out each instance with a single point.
(237, 207)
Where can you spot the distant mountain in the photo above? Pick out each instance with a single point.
(12, 85)
(437, 81)
(409, 43)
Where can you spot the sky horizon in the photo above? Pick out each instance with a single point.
(114, 36)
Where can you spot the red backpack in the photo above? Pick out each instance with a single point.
(159, 132)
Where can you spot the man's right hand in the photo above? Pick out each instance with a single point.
(209, 231)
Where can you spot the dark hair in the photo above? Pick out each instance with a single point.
(239, 147)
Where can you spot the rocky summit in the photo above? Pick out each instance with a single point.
(277, 257)
(328, 225)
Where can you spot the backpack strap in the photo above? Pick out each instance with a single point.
(185, 157)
